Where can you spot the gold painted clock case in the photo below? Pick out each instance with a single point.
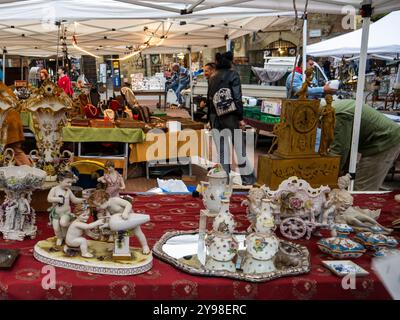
(297, 136)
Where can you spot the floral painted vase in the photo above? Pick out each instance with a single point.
(262, 245)
(339, 245)
(221, 245)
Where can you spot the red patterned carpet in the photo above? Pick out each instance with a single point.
(181, 212)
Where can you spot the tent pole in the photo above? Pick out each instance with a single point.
(366, 11)
(191, 83)
(305, 31)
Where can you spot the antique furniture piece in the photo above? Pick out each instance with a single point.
(49, 106)
(17, 217)
(295, 138)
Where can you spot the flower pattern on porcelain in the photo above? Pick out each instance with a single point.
(340, 246)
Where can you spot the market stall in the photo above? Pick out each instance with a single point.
(291, 242)
(180, 212)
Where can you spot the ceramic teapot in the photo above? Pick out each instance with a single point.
(262, 245)
(216, 189)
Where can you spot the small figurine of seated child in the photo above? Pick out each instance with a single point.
(74, 238)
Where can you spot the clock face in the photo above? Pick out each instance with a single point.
(304, 120)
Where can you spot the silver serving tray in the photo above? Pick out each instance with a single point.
(179, 248)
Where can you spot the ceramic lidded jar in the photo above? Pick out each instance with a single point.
(262, 245)
(221, 244)
(216, 190)
(339, 245)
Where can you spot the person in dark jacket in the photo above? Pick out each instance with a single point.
(225, 111)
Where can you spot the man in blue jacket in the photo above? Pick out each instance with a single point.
(314, 92)
(180, 80)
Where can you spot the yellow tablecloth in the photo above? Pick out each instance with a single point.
(83, 134)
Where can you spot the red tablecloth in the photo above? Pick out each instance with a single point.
(181, 212)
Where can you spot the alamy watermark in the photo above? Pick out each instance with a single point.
(226, 145)
(348, 21)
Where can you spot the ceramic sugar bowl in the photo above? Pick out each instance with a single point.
(339, 245)
(260, 252)
(222, 249)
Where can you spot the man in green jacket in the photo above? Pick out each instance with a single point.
(379, 143)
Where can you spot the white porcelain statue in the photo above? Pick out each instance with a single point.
(61, 198)
(121, 219)
(75, 235)
(17, 218)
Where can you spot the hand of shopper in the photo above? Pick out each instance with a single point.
(242, 125)
(328, 89)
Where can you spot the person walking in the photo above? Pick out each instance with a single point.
(225, 115)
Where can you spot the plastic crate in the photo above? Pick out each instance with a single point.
(266, 118)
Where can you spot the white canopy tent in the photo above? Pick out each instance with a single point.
(70, 11)
(384, 38)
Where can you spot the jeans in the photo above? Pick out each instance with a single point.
(223, 146)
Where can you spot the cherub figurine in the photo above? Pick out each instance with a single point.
(60, 197)
(302, 93)
(74, 238)
(125, 218)
(328, 120)
(112, 179)
(342, 202)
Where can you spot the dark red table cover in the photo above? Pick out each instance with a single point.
(181, 212)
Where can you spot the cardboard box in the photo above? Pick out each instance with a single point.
(271, 106)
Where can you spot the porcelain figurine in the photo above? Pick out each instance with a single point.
(356, 217)
(216, 190)
(221, 245)
(262, 245)
(113, 180)
(377, 242)
(61, 198)
(17, 218)
(74, 238)
(253, 203)
(363, 220)
(120, 218)
(302, 209)
(339, 245)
